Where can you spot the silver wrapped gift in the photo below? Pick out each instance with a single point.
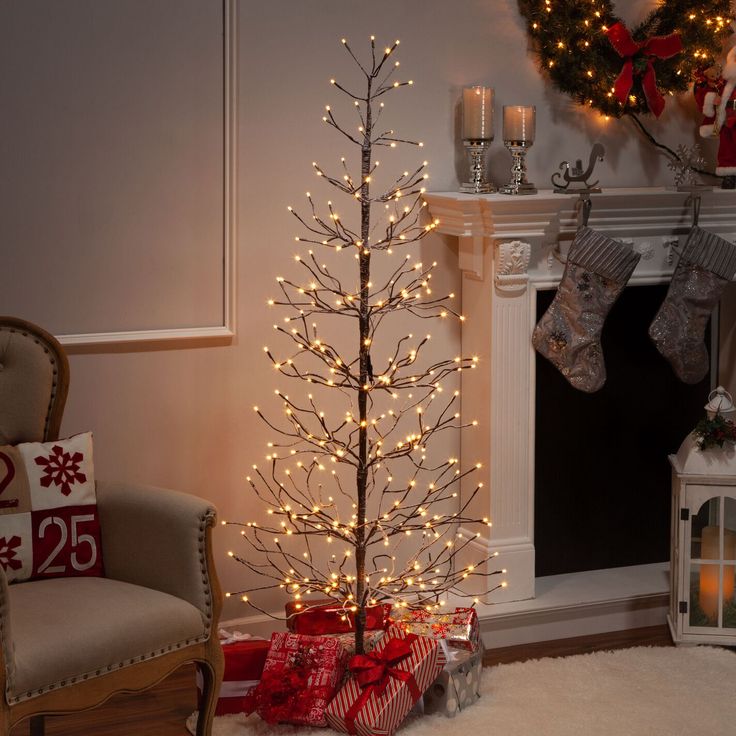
(458, 685)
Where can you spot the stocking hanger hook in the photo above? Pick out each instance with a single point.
(576, 180)
(584, 207)
(696, 200)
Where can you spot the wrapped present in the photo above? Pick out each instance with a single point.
(458, 685)
(385, 684)
(460, 629)
(370, 639)
(325, 616)
(244, 661)
(300, 677)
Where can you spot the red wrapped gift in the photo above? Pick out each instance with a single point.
(386, 684)
(326, 616)
(460, 629)
(300, 677)
(244, 662)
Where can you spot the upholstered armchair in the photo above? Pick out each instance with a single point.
(68, 644)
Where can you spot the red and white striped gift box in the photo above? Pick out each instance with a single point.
(382, 714)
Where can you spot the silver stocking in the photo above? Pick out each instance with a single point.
(707, 264)
(568, 334)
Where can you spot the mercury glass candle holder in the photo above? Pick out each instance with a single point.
(519, 123)
(477, 137)
(477, 181)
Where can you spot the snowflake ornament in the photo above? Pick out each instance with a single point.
(688, 160)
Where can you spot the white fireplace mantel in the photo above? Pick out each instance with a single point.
(507, 247)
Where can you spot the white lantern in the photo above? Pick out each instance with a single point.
(703, 544)
(720, 402)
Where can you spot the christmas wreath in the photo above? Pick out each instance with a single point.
(590, 54)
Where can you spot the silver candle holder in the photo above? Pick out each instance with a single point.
(477, 137)
(478, 182)
(519, 123)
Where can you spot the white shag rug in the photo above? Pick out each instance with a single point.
(643, 691)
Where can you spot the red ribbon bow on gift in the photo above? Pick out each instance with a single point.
(659, 47)
(373, 672)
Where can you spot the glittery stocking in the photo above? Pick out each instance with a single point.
(568, 334)
(707, 264)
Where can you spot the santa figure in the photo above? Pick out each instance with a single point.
(720, 120)
(707, 90)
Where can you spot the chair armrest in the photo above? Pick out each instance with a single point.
(160, 539)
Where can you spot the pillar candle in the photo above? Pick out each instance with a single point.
(519, 123)
(478, 114)
(709, 574)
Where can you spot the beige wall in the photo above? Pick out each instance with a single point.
(182, 418)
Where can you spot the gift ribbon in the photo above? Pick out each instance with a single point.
(230, 637)
(374, 671)
(451, 654)
(230, 688)
(637, 56)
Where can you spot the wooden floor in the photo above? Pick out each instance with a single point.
(163, 710)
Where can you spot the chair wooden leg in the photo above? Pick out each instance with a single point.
(38, 726)
(208, 701)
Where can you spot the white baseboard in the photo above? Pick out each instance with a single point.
(565, 606)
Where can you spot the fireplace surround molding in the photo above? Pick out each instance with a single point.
(509, 248)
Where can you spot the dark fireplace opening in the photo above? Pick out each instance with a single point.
(602, 478)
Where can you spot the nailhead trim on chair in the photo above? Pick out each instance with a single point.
(54, 363)
(12, 700)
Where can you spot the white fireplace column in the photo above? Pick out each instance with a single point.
(504, 251)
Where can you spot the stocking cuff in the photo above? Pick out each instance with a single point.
(711, 252)
(603, 256)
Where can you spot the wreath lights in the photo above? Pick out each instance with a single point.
(590, 54)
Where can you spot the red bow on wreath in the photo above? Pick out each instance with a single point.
(638, 57)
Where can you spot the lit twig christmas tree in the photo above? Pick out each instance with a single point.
(396, 542)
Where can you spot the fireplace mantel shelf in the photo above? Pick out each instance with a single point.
(544, 219)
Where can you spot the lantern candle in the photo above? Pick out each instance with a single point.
(478, 114)
(710, 580)
(519, 123)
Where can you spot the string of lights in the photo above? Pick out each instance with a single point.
(363, 482)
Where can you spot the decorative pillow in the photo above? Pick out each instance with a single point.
(49, 527)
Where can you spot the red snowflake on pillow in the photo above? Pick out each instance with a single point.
(61, 468)
(8, 553)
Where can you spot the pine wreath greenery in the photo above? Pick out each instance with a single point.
(714, 432)
(572, 43)
(698, 617)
